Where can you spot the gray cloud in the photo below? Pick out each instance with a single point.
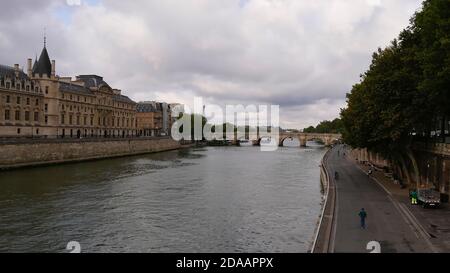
(302, 55)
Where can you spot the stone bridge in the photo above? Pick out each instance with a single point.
(327, 139)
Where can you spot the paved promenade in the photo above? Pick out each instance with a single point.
(388, 221)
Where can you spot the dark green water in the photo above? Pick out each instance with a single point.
(214, 199)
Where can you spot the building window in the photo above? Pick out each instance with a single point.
(7, 114)
(70, 119)
(36, 89)
(18, 115)
(92, 121)
(18, 86)
(85, 121)
(70, 97)
(78, 120)
(8, 85)
(18, 100)
(46, 108)
(62, 119)
(27, 116)
(36, 116)
(37, 102)
(37, 131)
(46, 90)
(28, 101)
(8, 99)
(18, 131)
(28, 88)
(46, 119)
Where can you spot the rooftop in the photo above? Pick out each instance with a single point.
(43, 65)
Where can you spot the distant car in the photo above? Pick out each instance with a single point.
(429, 198)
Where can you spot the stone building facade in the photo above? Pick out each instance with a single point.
(39, 103)
(153, 118)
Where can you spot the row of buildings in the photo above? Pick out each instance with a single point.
(38, 103)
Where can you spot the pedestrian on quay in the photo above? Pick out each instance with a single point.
(363, 216)
(413, 197)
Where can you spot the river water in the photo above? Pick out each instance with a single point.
(212, 199)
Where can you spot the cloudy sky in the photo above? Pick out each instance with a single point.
(303, 55)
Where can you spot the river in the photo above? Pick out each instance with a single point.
(212, 199)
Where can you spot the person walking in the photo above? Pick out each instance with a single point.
(363, 216)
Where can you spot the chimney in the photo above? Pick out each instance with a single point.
(53, 68)
(16, 70)
(29, 62)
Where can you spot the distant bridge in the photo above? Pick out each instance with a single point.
(303, 138)
(327, 139)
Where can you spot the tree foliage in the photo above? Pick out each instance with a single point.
(326, 127)
(406, 86)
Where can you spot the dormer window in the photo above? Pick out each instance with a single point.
(8, 85)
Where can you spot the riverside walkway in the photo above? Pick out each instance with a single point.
(388, 221)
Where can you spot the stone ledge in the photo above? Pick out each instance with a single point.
(35, 154)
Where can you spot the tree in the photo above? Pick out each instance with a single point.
(326, 127)
(405, 88)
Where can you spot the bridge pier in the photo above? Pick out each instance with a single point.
(303, 141)
(328, 141)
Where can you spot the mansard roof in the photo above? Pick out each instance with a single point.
(122, 98)
(149, 107)
(74, 88)
(10, 72)
(43, 66)
(92, 81)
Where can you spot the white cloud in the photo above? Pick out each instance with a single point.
(302, 55)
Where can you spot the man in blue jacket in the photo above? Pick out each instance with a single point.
(363, 216)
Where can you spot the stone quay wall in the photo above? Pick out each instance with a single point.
(46, 152)
(427, 166)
